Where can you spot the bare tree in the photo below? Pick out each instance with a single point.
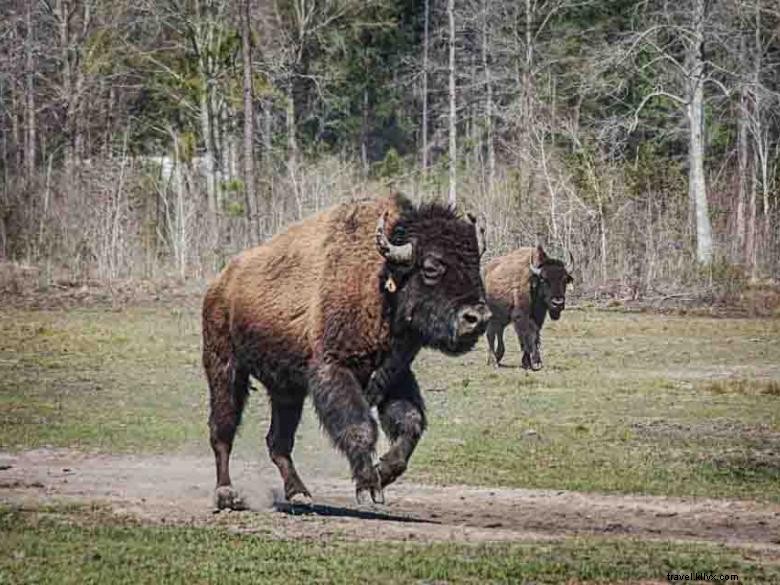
(695, 106)
(691, 78)
(452, 195)
(424, 124)
(30, 137)
(249, 117)
(489, 145)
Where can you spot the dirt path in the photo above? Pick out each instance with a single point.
(178, 490)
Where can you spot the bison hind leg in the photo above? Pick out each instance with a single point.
(285, 418)
(228, 389)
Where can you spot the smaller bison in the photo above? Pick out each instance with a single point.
(522, 287)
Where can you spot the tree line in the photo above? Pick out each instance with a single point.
(148, 138)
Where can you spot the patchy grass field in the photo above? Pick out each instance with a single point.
(626, 403)
(73, 545)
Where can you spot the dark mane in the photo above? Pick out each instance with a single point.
(411, 215)
(552, 262)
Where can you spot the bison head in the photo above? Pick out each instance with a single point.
(550, 279)
(432, 278)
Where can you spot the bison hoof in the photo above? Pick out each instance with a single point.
(377, 496)
(369, 481)
(300, 499)
(361, 496)
(227, 498)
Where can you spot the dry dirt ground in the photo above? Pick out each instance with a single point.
(177, 490)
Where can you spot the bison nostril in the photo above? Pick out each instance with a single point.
(471, 318)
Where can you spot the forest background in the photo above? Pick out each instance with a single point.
(152, 140)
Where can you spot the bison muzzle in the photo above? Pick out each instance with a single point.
(337, 307)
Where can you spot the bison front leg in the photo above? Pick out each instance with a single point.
(491, 342)
(402, 415)
(346, 416)
(528, 334)
(495, 337)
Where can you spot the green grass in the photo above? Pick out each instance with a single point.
(626, 402)
(114, 381)
(89, 546)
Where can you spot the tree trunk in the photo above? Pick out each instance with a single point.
(16, 137)
(750, 244)
(602, 237)
(742, 162)
(6, 163)
(29, 154)
(526, 92)
(109, 130)
(761, 135)
(364, 133)
(453, 177)
(758, 146)
(424, 129)
(63, 14)
(696, 180)
(224, 139)
(209, 161)
(491, 155)
(268, 161)
(249, 122)
(292, 141)
(292, 148)
(180, 229)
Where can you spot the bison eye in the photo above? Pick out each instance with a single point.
(432, 270)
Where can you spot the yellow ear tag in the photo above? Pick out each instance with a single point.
(390, 285)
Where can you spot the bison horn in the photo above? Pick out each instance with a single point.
(568, 264)
(538, 251)
(403, 254)
(479, 230)
(535, 270)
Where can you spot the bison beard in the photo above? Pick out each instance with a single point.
(335, 308)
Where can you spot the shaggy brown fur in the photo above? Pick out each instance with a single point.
(318, 310)
(518, 296)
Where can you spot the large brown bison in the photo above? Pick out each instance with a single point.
(337, 307)
(522, 287)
